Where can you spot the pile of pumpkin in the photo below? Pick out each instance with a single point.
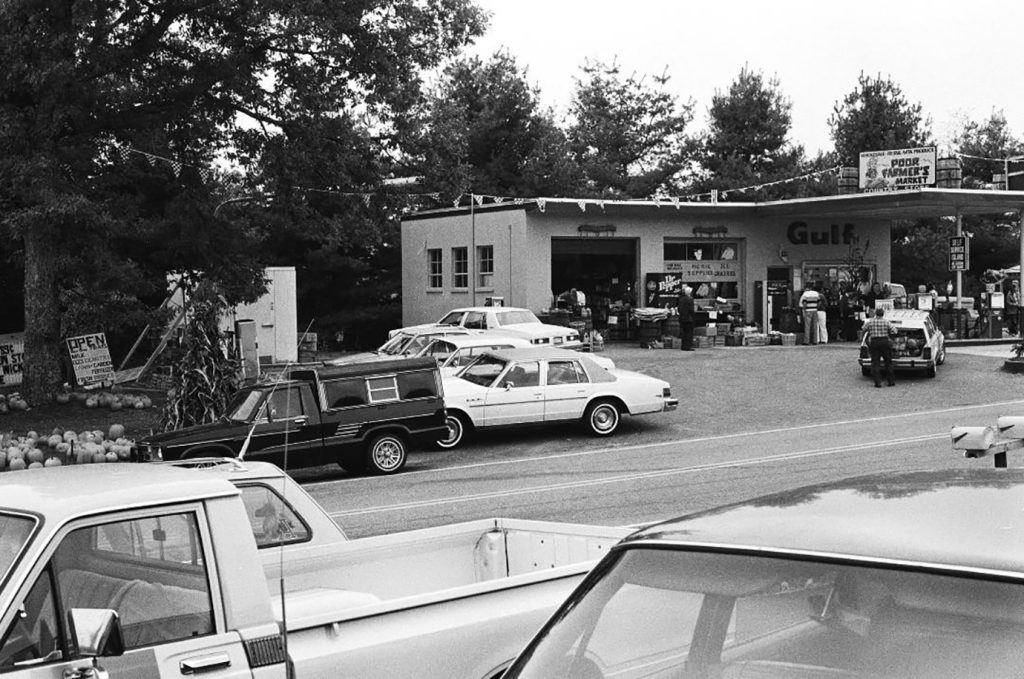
(102, 399)
(63, 447)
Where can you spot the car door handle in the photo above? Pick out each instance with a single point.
(205, 663)
(302, 421)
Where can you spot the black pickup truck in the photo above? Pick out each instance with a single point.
(365, 417)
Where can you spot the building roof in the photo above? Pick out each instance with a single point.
(908, 204)
(961, 519)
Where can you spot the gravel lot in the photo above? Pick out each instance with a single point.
(729, 389)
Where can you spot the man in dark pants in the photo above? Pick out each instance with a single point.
(685, 307)
(879, 333)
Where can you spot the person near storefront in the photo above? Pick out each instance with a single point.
(810, 301)
(879, 333)
(684, 306)
(1011, 308)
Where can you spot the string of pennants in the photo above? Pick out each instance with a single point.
(1011, 159)
(124, 152)
(714, 195)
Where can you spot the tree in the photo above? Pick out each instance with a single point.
(876, 116)
(483, 131)
(982, 148)
(746, 143)
(628, 133)
(281, 88)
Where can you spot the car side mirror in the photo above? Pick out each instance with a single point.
(96, 631)
(509, 385)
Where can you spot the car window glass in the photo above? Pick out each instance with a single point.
(475, 320)
(150, 570)
(483, 371)
(33, 636)
(382, 388)
(417, 384)
(345, 393)
(522, 375)
(565, 372)
(452, 318)
(285, 404)
(440, 349)
(273, 521)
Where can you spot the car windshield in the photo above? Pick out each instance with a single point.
(394, 346)
(14, 533)
(517, 316)
(453, 318)
(244, 405)
(671, 613)
(484, 370)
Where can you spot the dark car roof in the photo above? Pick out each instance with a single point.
(370, 367)
(962, 519)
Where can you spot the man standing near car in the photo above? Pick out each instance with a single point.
(879, 333)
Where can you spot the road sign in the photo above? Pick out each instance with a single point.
(959, 253)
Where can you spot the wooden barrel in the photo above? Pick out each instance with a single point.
(948, 173)
(849, 180)
(670, 326)
(649, 331)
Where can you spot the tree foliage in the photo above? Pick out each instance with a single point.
(628, 133)
(876, 116)
(483, 131)
(747, 142)
(982, 146)
(287, 91)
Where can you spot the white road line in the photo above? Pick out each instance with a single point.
(635, 476)
(661, 444)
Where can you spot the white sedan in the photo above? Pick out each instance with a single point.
(534, 385)
(454, 352)
(508, 321)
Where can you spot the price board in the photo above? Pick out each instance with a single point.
(959, 253)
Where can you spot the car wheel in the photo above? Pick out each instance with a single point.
(866, 372)
(386, 454)
(602, 418)
(457, 430)
(941, 357)
(932, 370)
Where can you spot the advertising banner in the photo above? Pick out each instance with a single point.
(898, 169)
(12, 356)
(90, 359)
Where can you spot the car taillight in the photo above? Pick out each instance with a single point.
(666, 392)
(926, 354)
(864, 352)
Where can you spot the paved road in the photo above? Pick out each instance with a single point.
(753, 421)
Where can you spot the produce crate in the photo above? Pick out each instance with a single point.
(789, 339)
(755, 339)
(734, 339)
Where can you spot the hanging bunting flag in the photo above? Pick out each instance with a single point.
(675, 201)
(434, 196)
(478, 199)
(499, 199)
(600, 204)
(518, 201)
(176, 168)
(458, 199)
(725, 194)
(541, 204)
(366, 199)
(582, 204)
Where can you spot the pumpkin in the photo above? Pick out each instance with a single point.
(116, 431)
(52, 462)
(17, 464)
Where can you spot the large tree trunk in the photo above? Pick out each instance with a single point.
(42, 377)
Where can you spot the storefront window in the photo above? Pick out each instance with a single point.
(710, 267)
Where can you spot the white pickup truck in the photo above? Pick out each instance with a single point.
(149, 570)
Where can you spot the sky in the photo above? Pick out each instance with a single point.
(957, 59)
